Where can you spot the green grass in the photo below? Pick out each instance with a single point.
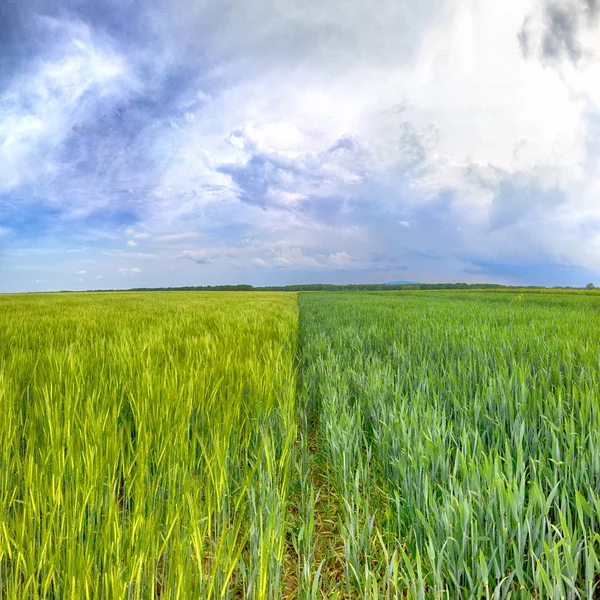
(146, 444)
(374, 445)
(460, 435)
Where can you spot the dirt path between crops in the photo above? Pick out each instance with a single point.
(328, 545)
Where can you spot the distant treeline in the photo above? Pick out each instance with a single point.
(354, 287)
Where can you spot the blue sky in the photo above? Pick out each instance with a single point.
(284, 141)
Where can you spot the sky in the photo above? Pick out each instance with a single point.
(190, 142)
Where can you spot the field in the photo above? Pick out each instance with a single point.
(146, 444)
(458, 442)
(325, 445)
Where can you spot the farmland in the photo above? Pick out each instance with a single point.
(458, 442)
(320, 445)
(146, 444)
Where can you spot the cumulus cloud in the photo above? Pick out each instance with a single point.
(136, 234)
(271, 177)
(177, 237)
(128, 254)
(208, 255)
(286, 257)
(340, 260)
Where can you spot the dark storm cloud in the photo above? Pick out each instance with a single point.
(562, 25)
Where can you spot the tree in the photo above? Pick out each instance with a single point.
(590, 286)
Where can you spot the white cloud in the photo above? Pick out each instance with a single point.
(40, 107)
(135, 270)
(136, 234)
(473, 112)
(259, 262)
(340, 260)
(177, 237)
(293, 258)
(208, 255)
(128, 254)
(80, 272)
(132, 243)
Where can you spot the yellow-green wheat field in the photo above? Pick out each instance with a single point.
(145, 444)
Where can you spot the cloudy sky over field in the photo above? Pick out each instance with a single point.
(188, 142)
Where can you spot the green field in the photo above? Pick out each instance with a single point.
(459, 435)
(146, 444)
(320, 445)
